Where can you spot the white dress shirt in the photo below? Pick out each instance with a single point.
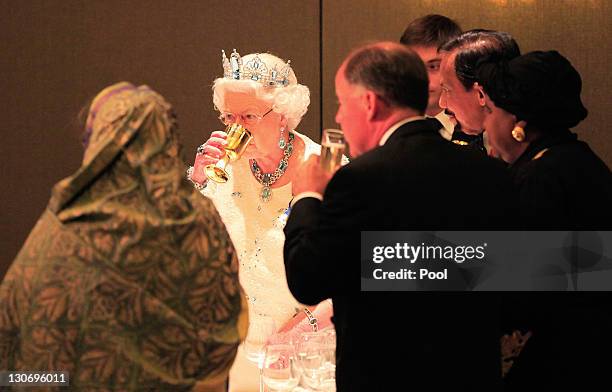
(448, 127)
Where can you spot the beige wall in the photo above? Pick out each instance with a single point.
(579, 29)
(57, 54)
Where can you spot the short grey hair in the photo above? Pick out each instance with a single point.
(290, 101)
(394, 72)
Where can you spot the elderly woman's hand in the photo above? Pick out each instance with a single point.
(208, 153)
(299, 324)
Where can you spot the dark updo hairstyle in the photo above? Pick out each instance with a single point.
(541, 88)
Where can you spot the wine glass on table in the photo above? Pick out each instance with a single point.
(316, 357)
(280, 368)
(260, 330)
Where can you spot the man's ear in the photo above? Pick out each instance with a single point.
(480, 94)
(487, 104)
(372, 104)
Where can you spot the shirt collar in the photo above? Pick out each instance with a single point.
(395, 127)
(447, 125)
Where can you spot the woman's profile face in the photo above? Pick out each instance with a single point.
(266, 132)
(499, 124)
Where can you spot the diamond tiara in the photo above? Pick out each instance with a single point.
(255, 70)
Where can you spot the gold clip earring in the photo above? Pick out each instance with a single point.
(518, 133)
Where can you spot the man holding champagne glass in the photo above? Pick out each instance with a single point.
(396, 181)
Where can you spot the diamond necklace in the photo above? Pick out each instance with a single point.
(268, 179)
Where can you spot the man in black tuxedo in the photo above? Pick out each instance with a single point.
(399, 180)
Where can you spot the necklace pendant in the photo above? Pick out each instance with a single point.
(266, 194)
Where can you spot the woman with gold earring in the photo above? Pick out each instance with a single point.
(534, 100)
(563, 185)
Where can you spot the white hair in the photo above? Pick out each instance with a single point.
(290, 101)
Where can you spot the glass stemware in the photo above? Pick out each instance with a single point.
(333, 145)
(280, 368)
(260, 330)
(238, 138)
(316, 352)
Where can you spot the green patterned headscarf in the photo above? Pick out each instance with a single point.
(129, 280)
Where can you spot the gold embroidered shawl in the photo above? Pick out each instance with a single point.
(129, 280)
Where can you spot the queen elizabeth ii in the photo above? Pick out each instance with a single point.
(260, 92)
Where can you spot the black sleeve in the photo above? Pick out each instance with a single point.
(321, 242)
(542, 199)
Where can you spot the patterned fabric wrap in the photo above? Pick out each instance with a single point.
(128, 281)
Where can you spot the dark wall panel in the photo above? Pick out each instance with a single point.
(579, 29)
(57, 54)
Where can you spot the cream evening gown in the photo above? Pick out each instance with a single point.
(256, 229)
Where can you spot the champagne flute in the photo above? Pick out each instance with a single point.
(330, 343)
(316, 357)
(333, 145)
(280, 368)
(330, 359)
(260, 329)
(238, 138)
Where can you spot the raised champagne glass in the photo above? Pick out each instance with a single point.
(238, 138)
(333, 145)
